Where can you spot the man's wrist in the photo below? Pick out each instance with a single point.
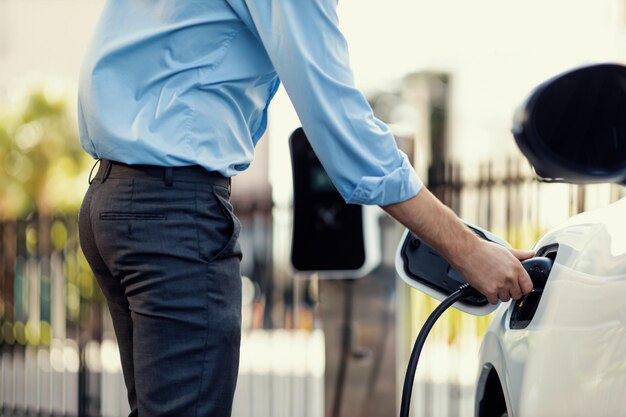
(437, 225)
(461, 246)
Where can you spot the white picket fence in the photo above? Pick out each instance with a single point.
(40, 379)
(281, 375)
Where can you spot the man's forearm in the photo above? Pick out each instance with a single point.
(436, 224)
(490, 268)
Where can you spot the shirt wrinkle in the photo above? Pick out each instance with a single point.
(226, 44)
(184, 92)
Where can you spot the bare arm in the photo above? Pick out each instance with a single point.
(490, 268)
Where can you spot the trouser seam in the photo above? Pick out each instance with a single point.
(206, 340)
(206, 343)
(196, 221)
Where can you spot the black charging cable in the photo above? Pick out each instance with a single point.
(464, 291)
(538, 269)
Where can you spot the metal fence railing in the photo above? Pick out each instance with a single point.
(58, 355)
(50, 312)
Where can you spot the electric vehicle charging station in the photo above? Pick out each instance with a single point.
(334, 240)
(592, 99)
(331, 239)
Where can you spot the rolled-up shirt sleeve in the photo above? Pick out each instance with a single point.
(310, 55)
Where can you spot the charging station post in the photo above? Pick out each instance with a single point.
(330, 240)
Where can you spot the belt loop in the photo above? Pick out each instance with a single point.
(107, 170)
(169, 174)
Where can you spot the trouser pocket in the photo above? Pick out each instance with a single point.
(218, 227)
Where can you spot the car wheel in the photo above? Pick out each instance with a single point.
(492, 403)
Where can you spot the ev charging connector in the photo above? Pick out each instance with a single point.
(421, 267)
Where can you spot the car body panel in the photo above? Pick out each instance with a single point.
(571, 359)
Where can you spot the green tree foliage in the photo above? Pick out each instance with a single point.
(42, 166)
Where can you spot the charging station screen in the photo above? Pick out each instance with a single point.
(320, 181)
(327, 232)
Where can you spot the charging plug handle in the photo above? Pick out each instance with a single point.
(538, 269)
(525, 308)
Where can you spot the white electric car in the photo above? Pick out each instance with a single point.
(561, 351)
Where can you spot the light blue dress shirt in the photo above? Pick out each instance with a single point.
(188, 82)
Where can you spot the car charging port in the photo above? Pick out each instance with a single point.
(524, 309)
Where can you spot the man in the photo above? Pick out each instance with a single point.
(173, 98)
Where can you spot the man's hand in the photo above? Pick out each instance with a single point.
(496, 271)
(488, 267)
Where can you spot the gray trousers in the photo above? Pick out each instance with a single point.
(162, 244)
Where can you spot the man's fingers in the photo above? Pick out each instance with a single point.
(522, 254)
(498, 273)
(525, 283)
(515, 291)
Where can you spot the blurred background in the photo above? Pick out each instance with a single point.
(446, 76)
